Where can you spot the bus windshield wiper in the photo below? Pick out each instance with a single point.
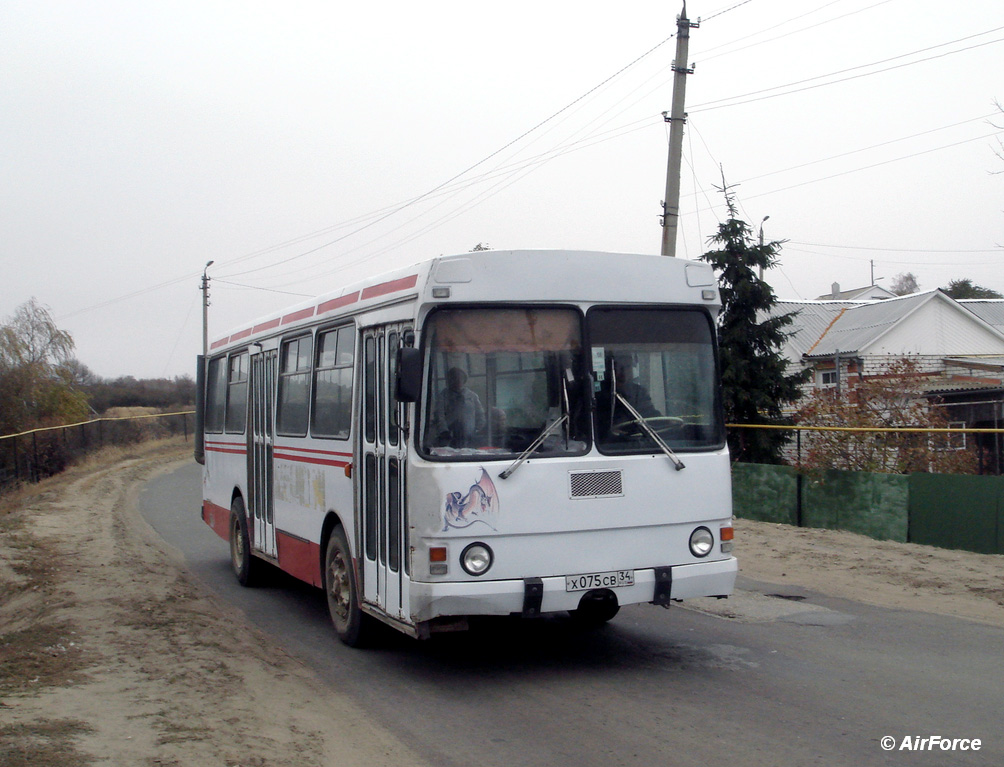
(637, 418)
(533, 447)
(550, 428)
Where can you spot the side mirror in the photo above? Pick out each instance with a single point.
(409, 374)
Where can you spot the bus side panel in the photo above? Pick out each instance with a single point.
(300, 558)
(223, 474)
(310, 483)
(217, 517)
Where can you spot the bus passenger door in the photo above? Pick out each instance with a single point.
(261, 506)
(384, 452)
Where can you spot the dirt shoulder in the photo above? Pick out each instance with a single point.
(111, 654)
(904, 576)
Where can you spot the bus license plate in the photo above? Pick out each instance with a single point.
(609, 580)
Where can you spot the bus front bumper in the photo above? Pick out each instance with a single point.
(507, 597)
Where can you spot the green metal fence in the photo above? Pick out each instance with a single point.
(955, 512)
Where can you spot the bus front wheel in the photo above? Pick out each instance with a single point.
(244, 565)
(596, 608)
(343, 595)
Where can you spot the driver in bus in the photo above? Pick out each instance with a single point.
(626, 385)
(459, 415)
(629, 388)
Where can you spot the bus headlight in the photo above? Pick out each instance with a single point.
(701, 542)
(476, 559)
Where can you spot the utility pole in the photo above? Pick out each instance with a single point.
(676, 120)
(205, 310)
(761, 243)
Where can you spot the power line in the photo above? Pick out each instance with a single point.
(914, 262)
(869, 148)
(133, 294)
(727, 10)
(511, 173)
(787, 34)
(898, 250)
(480, 162)
(259, 287)
(717, 103)
(875, 165)
(503, 178)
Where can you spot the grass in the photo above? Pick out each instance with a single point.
(45, 743)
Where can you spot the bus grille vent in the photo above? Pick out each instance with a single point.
(595, 484)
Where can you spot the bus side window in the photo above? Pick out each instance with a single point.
(237, 393)
(332, 410)
(294, 387)
(216, 392)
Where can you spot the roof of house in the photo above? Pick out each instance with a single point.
(828, 328)
(866, 293)
(990, 310)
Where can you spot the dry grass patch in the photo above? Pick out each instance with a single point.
(47, 742)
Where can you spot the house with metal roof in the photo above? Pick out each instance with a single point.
(990, 310)
(921, 325)
(958, 346)
(866, 293)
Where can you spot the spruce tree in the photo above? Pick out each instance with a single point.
(755, 381)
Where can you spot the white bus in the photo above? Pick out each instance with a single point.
(494, 433)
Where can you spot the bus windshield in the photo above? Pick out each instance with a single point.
(661, 362)
(499, 377)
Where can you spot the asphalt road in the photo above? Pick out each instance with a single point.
(795, 679)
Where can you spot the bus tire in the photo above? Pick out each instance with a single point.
(244, 565)
(596, 608)
(342, 592)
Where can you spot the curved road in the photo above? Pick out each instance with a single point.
(795, 679)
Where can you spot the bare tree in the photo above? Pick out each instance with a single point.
(35, 387)
(893, 400)
(904, 284)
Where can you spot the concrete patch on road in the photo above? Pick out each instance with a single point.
(756, 607)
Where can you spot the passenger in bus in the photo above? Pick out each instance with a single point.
(498, 427)
(459, 415)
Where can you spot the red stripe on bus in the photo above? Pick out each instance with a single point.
(312, 450)
(374, 291)
(279, 456)
(225, 447)
(300, 315)
(337, 303)
(299, 558)
(271, 324)
(390, 287)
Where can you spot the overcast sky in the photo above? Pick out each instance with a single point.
(300, 145)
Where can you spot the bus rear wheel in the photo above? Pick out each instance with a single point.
(342, 593)
(245, 566)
